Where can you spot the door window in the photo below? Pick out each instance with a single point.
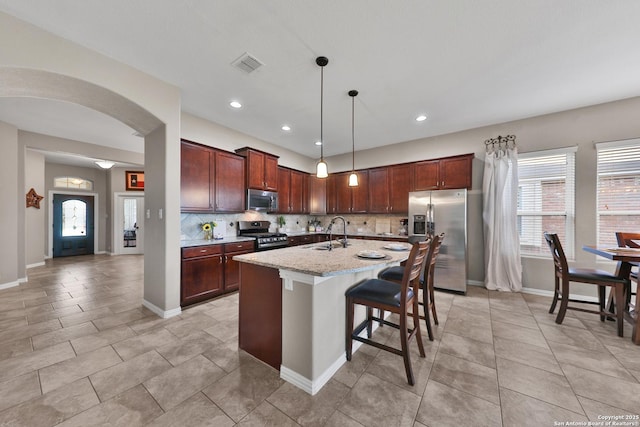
(74, 218)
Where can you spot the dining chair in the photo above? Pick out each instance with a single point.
(427, 273)
(630, 240)
(564, 275)
(400, 298)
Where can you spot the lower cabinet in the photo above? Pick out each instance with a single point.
(208, 271)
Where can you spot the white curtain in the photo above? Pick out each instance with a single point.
(500, 207)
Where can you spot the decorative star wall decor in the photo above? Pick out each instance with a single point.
(33, 199)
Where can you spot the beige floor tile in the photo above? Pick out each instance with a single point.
(518, 333)
(309, 410)
(471, 303)
(550, 319)
(398, 408)
(266, 415)
(75, 319)
(532, 355)
(618, 393)
(469, 349)
(537, 383)
(349, 373)
(596, 410)
(73, 369)
(514, 305)
(188, 347)
(175, 385)
(134, 407)
(190, 324)
(113, 381)
(13, 323)
(520, 319)
(444, 406)
(18, 390)
(599, 361)
(53, 314)
(139, 344)
(519, 410)
(114, 320)
(21, 332)
(62, 335)
(226, 331)
(200, 412)
(478, 380)
(479, 331)
(236, 395)
(572, 336)
(338, 419)
(51, 408)
(32, 361)
(227, 356)
(15, 348)
(101, 339)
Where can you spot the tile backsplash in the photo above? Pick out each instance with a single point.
(227, 223)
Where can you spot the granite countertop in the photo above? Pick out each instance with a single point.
(307, 260)
(323, 233)
(203, 242)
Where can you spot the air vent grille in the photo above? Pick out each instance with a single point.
(247, 63)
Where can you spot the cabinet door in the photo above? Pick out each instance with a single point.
(229, 180)
(399, 184)
(343, 192)
(360, 194)
(270, 173)
(284, 183)
(196, 178)
(201, 278)
(379, 190)
(255, 170)
(317, 195)
(296, 192)
(332, 195)
(456, 172)
(426, 175)
(306, 193)
(232, 267)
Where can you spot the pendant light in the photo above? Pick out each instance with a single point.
(353, 178)
(321, 168)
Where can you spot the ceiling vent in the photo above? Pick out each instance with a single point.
(247, 63)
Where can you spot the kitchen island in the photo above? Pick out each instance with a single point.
(292, 305)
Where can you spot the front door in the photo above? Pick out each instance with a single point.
(129, 227)
(72, 225)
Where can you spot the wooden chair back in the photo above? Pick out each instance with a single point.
(559, 258)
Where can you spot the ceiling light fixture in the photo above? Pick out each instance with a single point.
(104, 164)
(318, 143)
(235, 104)
(421, 118)
(353, 178)
(322, 171)
(286, 128)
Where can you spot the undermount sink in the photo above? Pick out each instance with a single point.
(326, 245)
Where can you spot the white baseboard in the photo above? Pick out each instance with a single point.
(36, 264)
(9, 285)
(475, 283)
(545, 293)
(160, 312)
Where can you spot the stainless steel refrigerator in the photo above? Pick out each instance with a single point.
(443, 211)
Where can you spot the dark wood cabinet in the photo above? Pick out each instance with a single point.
(290, 190)
(284, 182)
(379, 190)
(262, 169)
(301, 240)
(201, 273)
(196, 178)
(232, 267)
(317, 195)
(399, 187)
(229, 182)
(351, 199)
(332, 196)
(441, 174)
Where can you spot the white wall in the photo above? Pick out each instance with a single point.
(35, 234)
(11, 210)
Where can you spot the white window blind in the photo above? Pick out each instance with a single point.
(546, 200)
(618, 189)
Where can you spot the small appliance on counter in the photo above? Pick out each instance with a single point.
(264, 239)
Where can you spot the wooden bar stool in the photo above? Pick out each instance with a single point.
(394, 274)
(389, 296)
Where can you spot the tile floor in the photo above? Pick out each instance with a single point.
(77, 349)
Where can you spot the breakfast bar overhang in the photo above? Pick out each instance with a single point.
(292, 304)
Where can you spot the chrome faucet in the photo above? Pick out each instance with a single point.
(344, 227)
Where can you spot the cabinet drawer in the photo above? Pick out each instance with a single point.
(199, 251)
(239, 246)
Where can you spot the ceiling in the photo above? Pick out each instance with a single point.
(464, 64)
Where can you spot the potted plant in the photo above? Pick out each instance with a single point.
(281, 223)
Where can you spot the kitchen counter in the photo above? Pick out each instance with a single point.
(350, 235)
(203, 242)
(292, 306)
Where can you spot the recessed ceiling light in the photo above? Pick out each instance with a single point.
(318, 142)
(286, 128)
(421, 118)
(235, 104)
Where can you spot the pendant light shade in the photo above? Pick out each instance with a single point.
(322, 171)
(353, 177)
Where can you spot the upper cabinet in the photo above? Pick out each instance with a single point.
(196, 177)
(211, 180)
(389, 189)
(317, 195)
(262, 169)
(350, 199)
(291, 191)
(441, 174)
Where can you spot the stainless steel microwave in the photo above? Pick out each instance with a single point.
(265, 201)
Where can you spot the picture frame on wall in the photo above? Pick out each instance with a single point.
(134, 180)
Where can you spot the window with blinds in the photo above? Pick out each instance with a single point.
(618, 189)
(546, 200)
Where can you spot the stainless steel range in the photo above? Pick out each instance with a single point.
(260, 231)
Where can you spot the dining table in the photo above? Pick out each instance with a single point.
(625, 257)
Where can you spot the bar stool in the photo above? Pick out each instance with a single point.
(389, 296)
(394, 274)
